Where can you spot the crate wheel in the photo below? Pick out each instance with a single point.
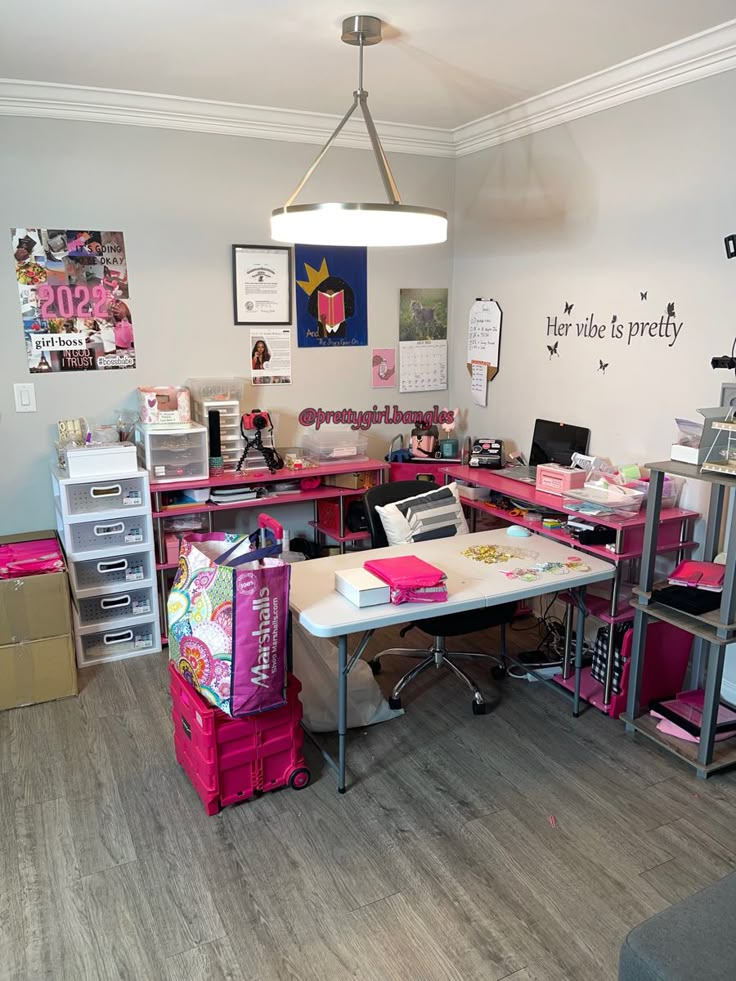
(299, 779)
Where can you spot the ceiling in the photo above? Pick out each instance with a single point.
(442, 64)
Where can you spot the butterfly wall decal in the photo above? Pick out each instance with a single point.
(568, 307)
(643, 294)
(552, 348)
(602, 366)
(671, 310)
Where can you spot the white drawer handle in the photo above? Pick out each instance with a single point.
(120, 638)
(116, 529)
(112, 490)
(120, 565)
(114, 602)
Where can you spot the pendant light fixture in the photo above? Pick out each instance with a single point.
(358, 223)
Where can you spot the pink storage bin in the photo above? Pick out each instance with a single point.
(231, 760)
(172, 547)
(666, 657)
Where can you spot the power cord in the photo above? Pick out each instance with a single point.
(549, 652)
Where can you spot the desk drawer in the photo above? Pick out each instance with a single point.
(111, 607)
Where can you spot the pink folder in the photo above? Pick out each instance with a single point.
(411, 580)
(703, 575)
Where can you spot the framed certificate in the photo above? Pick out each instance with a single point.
(262, 284)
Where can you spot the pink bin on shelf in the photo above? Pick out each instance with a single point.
(231, 760)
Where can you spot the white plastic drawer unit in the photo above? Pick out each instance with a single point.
(111, 573)
(113, 643)
(116, 494)
(173, 454)
(125, 605)
(108, 533)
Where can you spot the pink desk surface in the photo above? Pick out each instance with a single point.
(632, 529)
(262, 476)
(519, 491)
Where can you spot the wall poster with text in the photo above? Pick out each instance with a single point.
(331, 296)
(74, 299)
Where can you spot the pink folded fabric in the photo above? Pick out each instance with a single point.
(410, 580)
(34, 558)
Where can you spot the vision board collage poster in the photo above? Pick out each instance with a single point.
(74, 299)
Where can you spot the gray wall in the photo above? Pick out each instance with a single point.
(182, 200)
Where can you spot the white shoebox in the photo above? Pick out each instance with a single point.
(117, 459)
(361, 587)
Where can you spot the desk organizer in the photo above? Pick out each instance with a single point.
(173, 453)
(231, 760)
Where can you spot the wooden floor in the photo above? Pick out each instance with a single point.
(520, 845)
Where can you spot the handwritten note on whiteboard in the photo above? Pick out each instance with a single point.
(484, 334)
(479, 384)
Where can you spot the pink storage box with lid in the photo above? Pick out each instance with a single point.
(231, 760)
(553, 479)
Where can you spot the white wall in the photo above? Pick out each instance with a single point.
(636, 198)
(182, 200)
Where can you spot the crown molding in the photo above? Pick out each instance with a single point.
(116, 106)
(685, 61)
(695, 57)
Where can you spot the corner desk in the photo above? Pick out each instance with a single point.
(471, 585)
(675, 536)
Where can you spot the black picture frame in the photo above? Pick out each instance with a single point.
(259, 315)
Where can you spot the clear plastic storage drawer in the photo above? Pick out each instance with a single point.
(179, 454)
(113, 573)
(105, 495)
(108, 534)
(116, 606)
(113, 643)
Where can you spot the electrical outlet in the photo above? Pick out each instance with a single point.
(25, 397)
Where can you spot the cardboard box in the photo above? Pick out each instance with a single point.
(351, 481)
(34, 607)
(361, 587)
(37, 671)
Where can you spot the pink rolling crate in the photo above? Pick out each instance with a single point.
(231, 760)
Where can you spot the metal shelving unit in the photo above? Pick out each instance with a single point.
(712, 632)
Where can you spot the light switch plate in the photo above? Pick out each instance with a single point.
(25, 397)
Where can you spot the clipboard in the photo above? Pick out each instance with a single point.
(484, 336)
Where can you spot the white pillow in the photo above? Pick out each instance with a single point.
(437, 513)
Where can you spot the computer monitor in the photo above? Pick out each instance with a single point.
(555, 442)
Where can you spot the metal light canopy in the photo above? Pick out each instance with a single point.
(356, 223)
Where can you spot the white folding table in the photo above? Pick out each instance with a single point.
(471, 585)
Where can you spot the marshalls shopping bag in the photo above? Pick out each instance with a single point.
(227, 611)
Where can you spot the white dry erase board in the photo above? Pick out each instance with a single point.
(484, 336)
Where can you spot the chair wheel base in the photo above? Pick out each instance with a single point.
(375, 666)
(498, 672)
(394, 703)
(479, 708)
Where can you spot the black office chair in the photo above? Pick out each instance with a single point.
(439, 627)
